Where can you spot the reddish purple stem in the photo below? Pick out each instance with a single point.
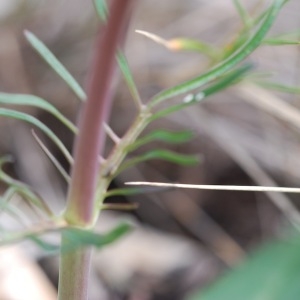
(90, 140)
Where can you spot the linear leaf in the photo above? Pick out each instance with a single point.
(24, 190)
(228, 63)
(224, 82)
(290, 38)
(76, 237)
(170, 156)
(123, 65)
(79, 238)
(280, 42)
(245, 33)
(31, 100)
(171, 109)
(245, 17)
(13, 211)
(124, 192)
(227, 80)
(48, 247)
(31, 198)
(162, 135)
(33, 121)
(166, 155)
(119, 206)
(55, 64)
(133, 191)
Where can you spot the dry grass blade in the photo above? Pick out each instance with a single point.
(218, 187)
(285, 205)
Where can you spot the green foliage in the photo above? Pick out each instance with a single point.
(7, 207)
(180, 159)
(228, 63)
(4, 112)
(77, 238)
(80, 238)
(124, 67)
(272, 273)
(162, 135)
(133, 191)
(246, 19)
(227, 80)
(34, 101)
(283, 39)
(55, 64)
(17, 187)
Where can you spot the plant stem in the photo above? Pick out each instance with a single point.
(81, 210)
(74, 273)
(89, 143)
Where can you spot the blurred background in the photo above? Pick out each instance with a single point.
(184, 240)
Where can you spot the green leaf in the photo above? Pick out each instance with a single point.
(74, 238)
(80, 238)
(31, 100)
(166, 155)
(48, 247)
(13, 211)
(123, 64)
(55, 64)
(280, 42)
(290, 38)
(224, 82)
(170, 156)
(228, 63)
(23, 190)
(171, 109)
(227, 80)
(133, 191)
(77, 238)
(119, 206)
(33, 121)
(245, 17)
(101, 8)
(272, 273)
(162, 135)
(6, 197)
(124, 192)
